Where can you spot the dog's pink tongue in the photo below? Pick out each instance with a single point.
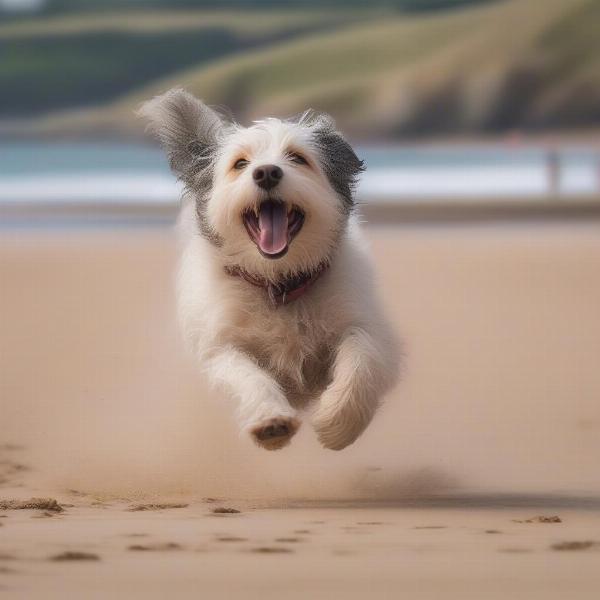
(273, 224)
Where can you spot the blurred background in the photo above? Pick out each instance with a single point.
(479, 123)
(464, 99)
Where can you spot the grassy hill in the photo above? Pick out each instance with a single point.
(78, 60)
(513, 64)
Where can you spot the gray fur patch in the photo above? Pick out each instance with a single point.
(338, 159)
(188, 131)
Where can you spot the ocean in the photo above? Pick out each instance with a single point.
(70, 178)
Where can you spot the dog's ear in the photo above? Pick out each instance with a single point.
(186, 128)
(338, 159)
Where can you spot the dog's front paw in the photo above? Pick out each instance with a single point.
(274, 433)
(338, 425)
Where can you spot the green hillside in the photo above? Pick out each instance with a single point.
(515, 64)
(79, 60)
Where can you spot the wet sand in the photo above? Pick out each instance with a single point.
(497, 422)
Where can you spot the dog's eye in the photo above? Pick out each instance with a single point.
(240, 164)
(296, 158)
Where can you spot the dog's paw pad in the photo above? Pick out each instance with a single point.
(275, 433)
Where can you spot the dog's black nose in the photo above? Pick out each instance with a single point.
(267, 176)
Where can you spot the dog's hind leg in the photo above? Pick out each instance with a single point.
(263, 409)
(365, 367)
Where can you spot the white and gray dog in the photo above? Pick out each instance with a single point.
(276, 294)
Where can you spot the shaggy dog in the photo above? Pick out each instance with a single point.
(276, 294)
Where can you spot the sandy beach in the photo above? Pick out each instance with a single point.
(495, 424)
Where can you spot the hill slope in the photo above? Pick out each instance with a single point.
(78, 60)
(513, 64)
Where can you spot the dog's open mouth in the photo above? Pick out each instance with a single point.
(273, 226)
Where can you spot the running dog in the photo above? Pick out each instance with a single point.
(275, 289)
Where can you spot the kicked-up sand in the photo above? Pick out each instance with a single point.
(479, 478)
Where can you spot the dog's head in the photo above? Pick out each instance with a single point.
(275, 197)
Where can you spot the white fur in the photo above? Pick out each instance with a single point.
(331, 349)
(233, 192)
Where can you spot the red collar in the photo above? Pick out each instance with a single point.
(286, 290)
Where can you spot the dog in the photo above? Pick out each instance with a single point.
(276, 294)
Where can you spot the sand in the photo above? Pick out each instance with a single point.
(453, 491)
